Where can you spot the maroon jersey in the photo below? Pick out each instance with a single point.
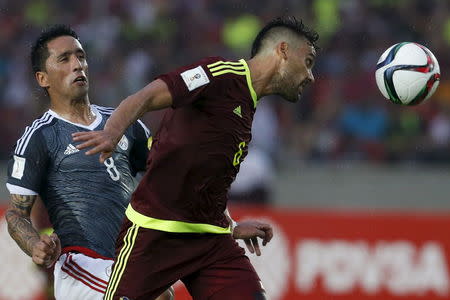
(202, 140)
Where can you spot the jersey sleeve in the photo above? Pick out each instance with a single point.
(139, 152)
(27, 166)
(189, 83)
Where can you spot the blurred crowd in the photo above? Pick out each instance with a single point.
(341, 117)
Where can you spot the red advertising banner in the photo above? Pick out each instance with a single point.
(352, 255)
(313, 255)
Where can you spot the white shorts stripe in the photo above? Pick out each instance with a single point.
(75, 268)
(78, 276)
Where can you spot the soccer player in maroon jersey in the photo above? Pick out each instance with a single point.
(176, 227)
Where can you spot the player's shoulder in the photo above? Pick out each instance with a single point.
(33, 132)
(217, 66)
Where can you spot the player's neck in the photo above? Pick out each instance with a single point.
(78, 111)
(262, 70)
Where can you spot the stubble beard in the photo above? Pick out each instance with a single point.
(285, 87)
(80, 94)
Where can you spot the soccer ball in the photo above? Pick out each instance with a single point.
(407, 73)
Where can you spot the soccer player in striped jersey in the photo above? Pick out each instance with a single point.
(176, 227)
(85, 201)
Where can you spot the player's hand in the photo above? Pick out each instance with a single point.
(47, 250)
(101, 142)
(249, 231)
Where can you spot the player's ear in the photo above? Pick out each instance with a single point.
(42, 79)
(282, 49)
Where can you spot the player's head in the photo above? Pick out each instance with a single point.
(59, 63)
(293, 47)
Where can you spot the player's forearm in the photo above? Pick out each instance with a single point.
(124, 115)
(22, 231)
(152, 97)
(19, 223)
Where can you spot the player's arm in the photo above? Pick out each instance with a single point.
(43, 249)
(19, 222)
(154, 96)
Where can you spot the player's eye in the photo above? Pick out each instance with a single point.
(64, 59)
(309, 62)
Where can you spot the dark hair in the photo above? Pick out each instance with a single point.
(39, 50)
(290, 23)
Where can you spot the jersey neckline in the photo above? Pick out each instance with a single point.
(92, 126)
(249, 82)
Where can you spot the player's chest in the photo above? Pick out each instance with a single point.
(65, 156)
(229, 114)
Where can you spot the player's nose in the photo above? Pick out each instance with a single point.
(76, 64)
(311, 77)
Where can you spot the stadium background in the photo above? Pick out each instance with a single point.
(357, 188)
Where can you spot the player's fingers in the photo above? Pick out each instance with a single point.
(99, 148)
(259, 233)
(94, 141)
(104, 156)
(45, 245)
(249, 245)
(38, 260)
(47, 240)
(41, 256)
(268, 234)
(256, 246)
(78, 136)
(54, 237)
(84, 135)
(44, 251)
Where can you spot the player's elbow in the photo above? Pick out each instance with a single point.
(156, 95)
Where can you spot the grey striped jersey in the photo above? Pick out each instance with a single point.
(85, 200)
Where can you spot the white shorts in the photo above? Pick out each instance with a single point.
(78, 276)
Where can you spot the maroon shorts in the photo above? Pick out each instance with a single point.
(212, 266)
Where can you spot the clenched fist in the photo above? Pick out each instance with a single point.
(47, 250)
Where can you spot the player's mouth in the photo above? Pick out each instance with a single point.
(80, 80)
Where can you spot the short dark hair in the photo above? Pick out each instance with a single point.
(39, 50)
(290, 23)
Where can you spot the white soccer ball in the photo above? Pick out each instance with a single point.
(407, 73)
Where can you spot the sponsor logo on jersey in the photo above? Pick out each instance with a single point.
(71, 150)
(195, 78)
(18, 167)
(123, 143)
(237, 111)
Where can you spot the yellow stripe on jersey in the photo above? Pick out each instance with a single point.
(121, 262)
(150, 143)
(172, 226)
(235, 67)
(220, 67)
(224, 62)
(249, 82)
(228, 71)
